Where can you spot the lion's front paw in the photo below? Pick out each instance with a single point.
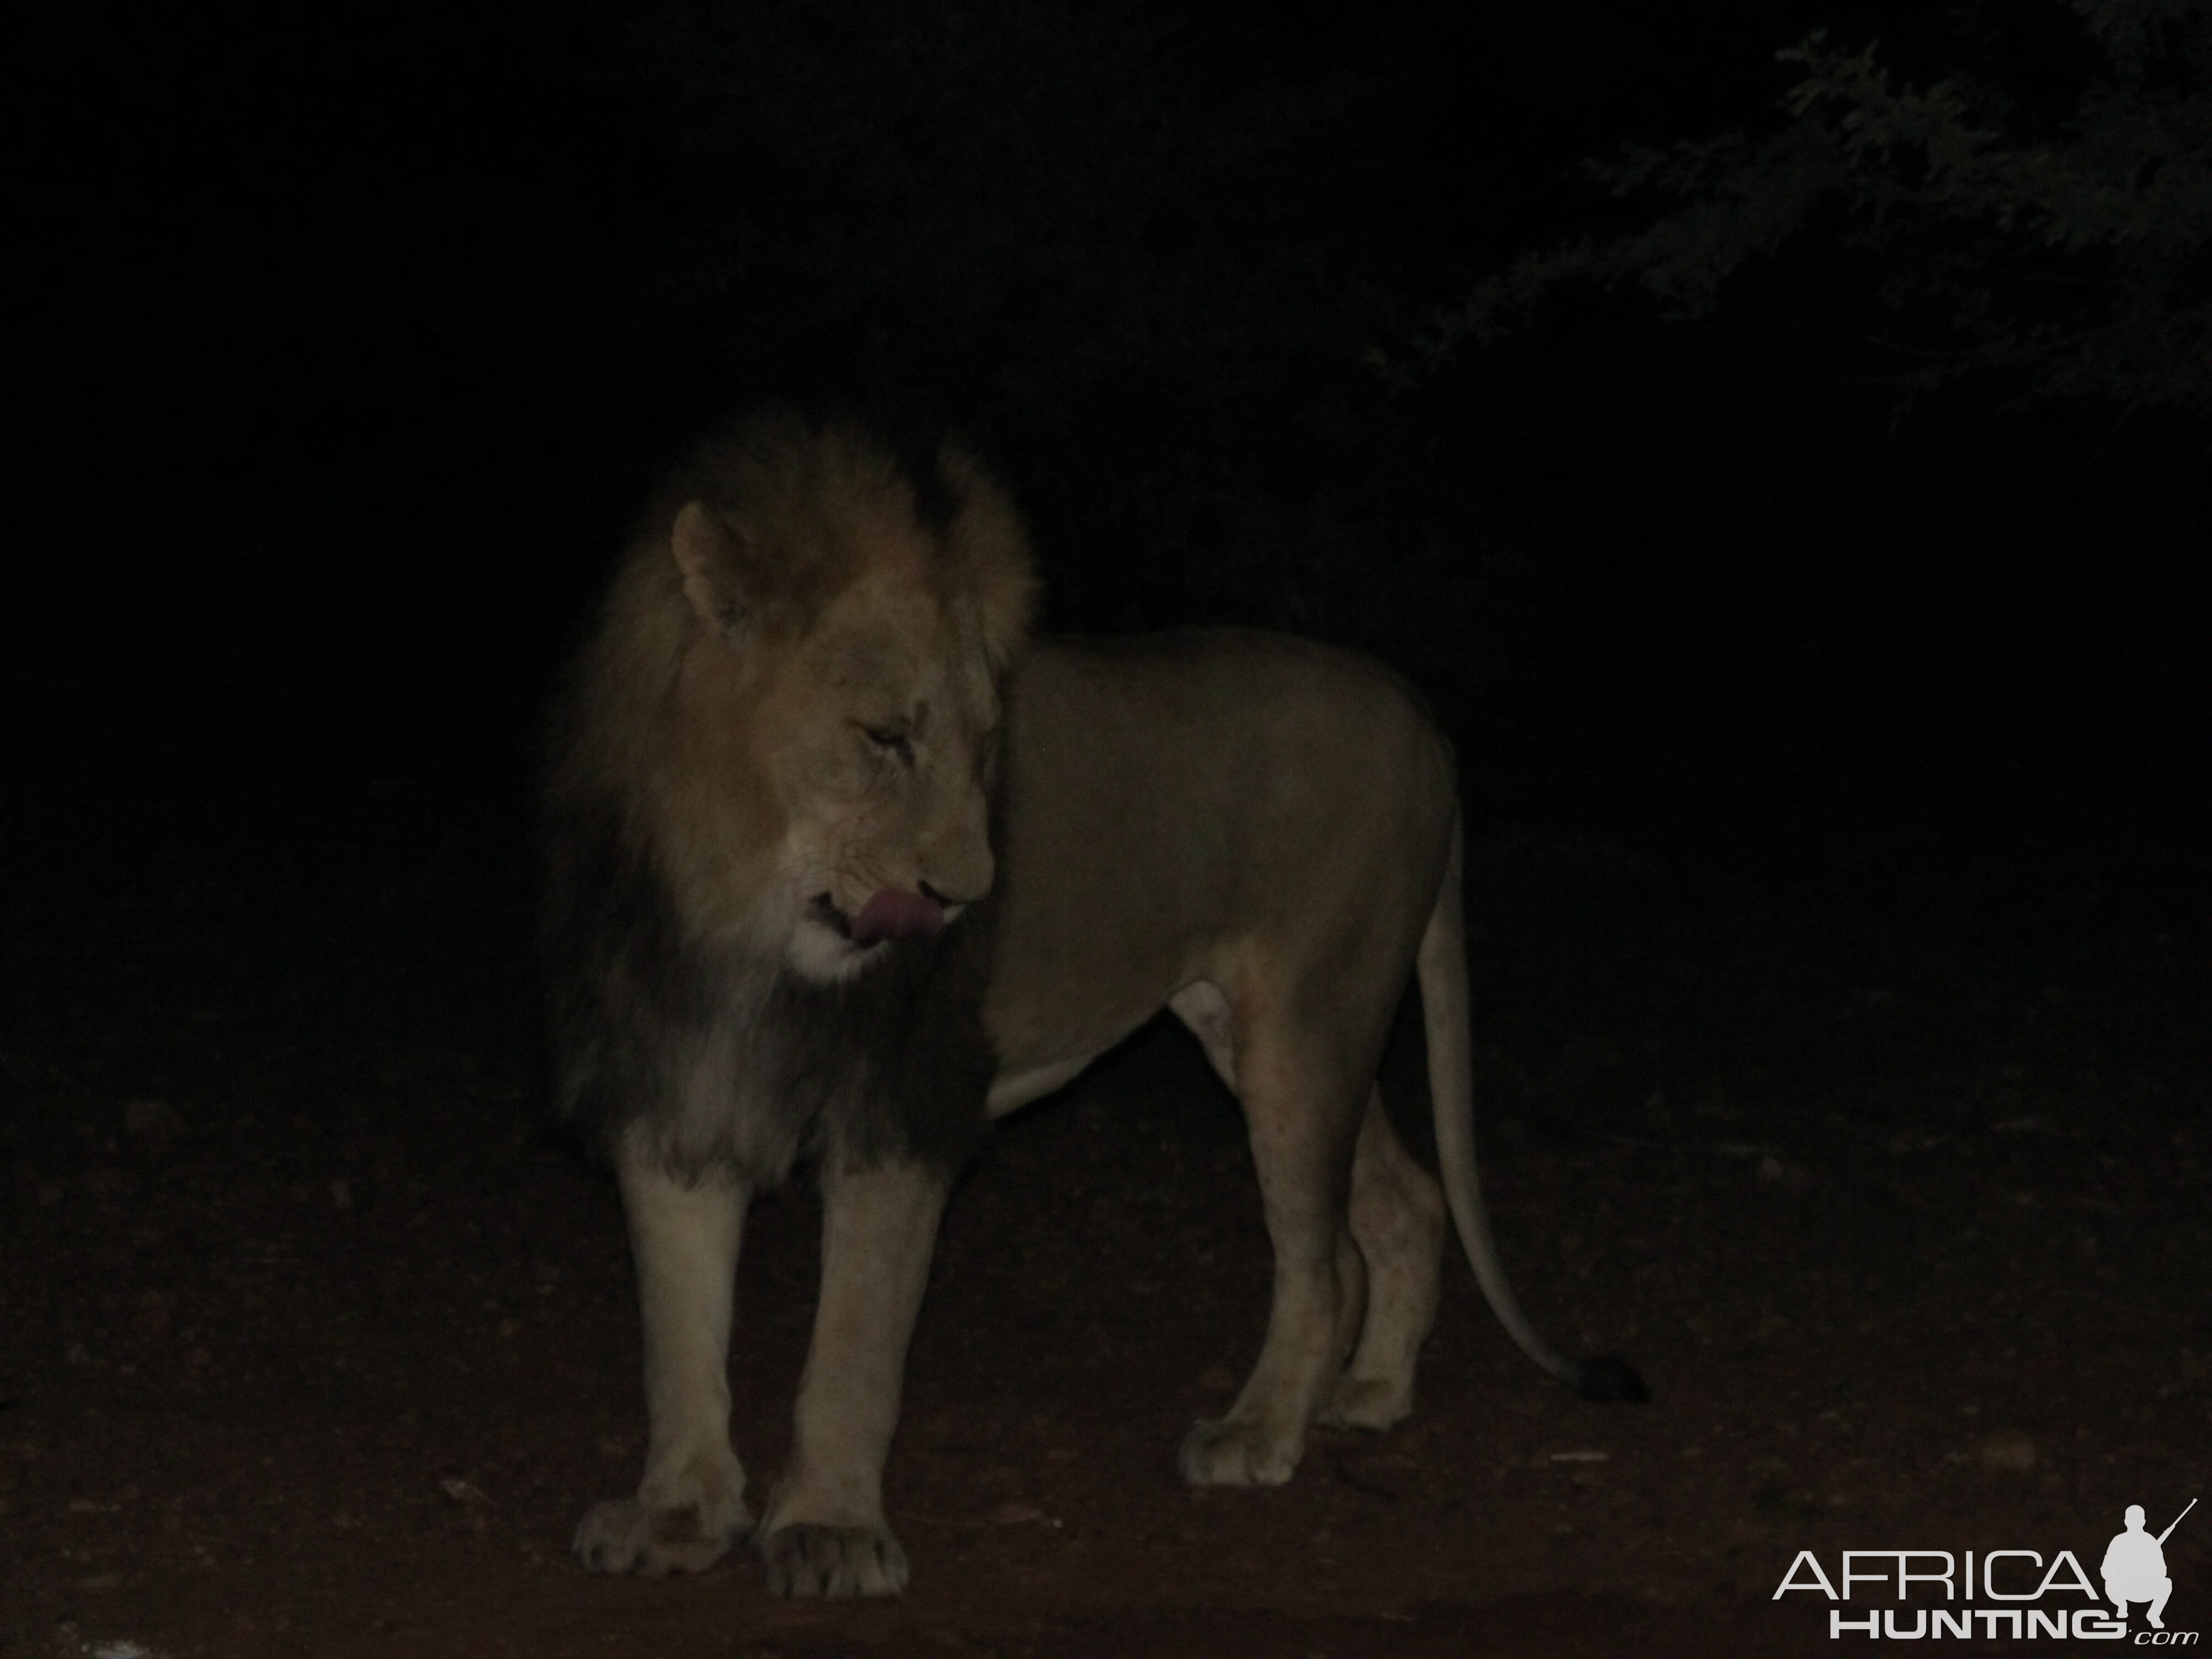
(654, 1539)
(838, 1562)
(1238, 1453)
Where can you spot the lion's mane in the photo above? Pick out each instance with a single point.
(650, 990)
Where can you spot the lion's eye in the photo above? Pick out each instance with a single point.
(892, 739)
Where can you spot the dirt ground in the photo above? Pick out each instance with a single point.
(1891, 1177)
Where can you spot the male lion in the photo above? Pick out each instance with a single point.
(807, 718)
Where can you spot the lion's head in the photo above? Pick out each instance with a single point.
(793, 693)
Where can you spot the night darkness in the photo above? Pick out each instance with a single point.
(1832, 749)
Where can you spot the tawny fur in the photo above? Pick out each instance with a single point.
(1259, 833)
(662, 718)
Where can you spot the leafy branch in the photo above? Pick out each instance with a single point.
(2082, 259)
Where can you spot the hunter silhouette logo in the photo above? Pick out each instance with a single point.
(2135, 1565)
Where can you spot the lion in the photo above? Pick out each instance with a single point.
(842, 864)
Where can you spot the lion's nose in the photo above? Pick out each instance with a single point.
(960, 867)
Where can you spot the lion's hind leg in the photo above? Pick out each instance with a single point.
(1398, 1219)
(1301, 1107)
(690, 1506)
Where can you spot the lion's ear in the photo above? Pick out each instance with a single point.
(992, 544)
(706, 553)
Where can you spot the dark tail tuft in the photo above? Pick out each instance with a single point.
(1610, 1381)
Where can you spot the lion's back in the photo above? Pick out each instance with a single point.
(1252, 731)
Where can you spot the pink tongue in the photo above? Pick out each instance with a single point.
(893, 914)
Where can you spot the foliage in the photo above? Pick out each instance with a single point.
(2076, 253)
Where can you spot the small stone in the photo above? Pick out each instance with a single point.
(152, 1124)
(1790, 1177)
(152, 1318)
(2009, 1451)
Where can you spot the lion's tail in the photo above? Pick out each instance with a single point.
(1442, 967)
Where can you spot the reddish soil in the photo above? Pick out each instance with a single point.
(1894, 1185)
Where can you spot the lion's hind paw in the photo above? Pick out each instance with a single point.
(1368, 1402)
(653, 1539)
(1236, 1452)
(840, 1563)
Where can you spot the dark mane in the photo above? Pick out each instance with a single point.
(890, 1064)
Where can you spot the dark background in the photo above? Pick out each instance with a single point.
(1835, 766)
(349, 337)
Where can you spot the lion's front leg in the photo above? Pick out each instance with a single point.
(690, 1507)
(825, 1534)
